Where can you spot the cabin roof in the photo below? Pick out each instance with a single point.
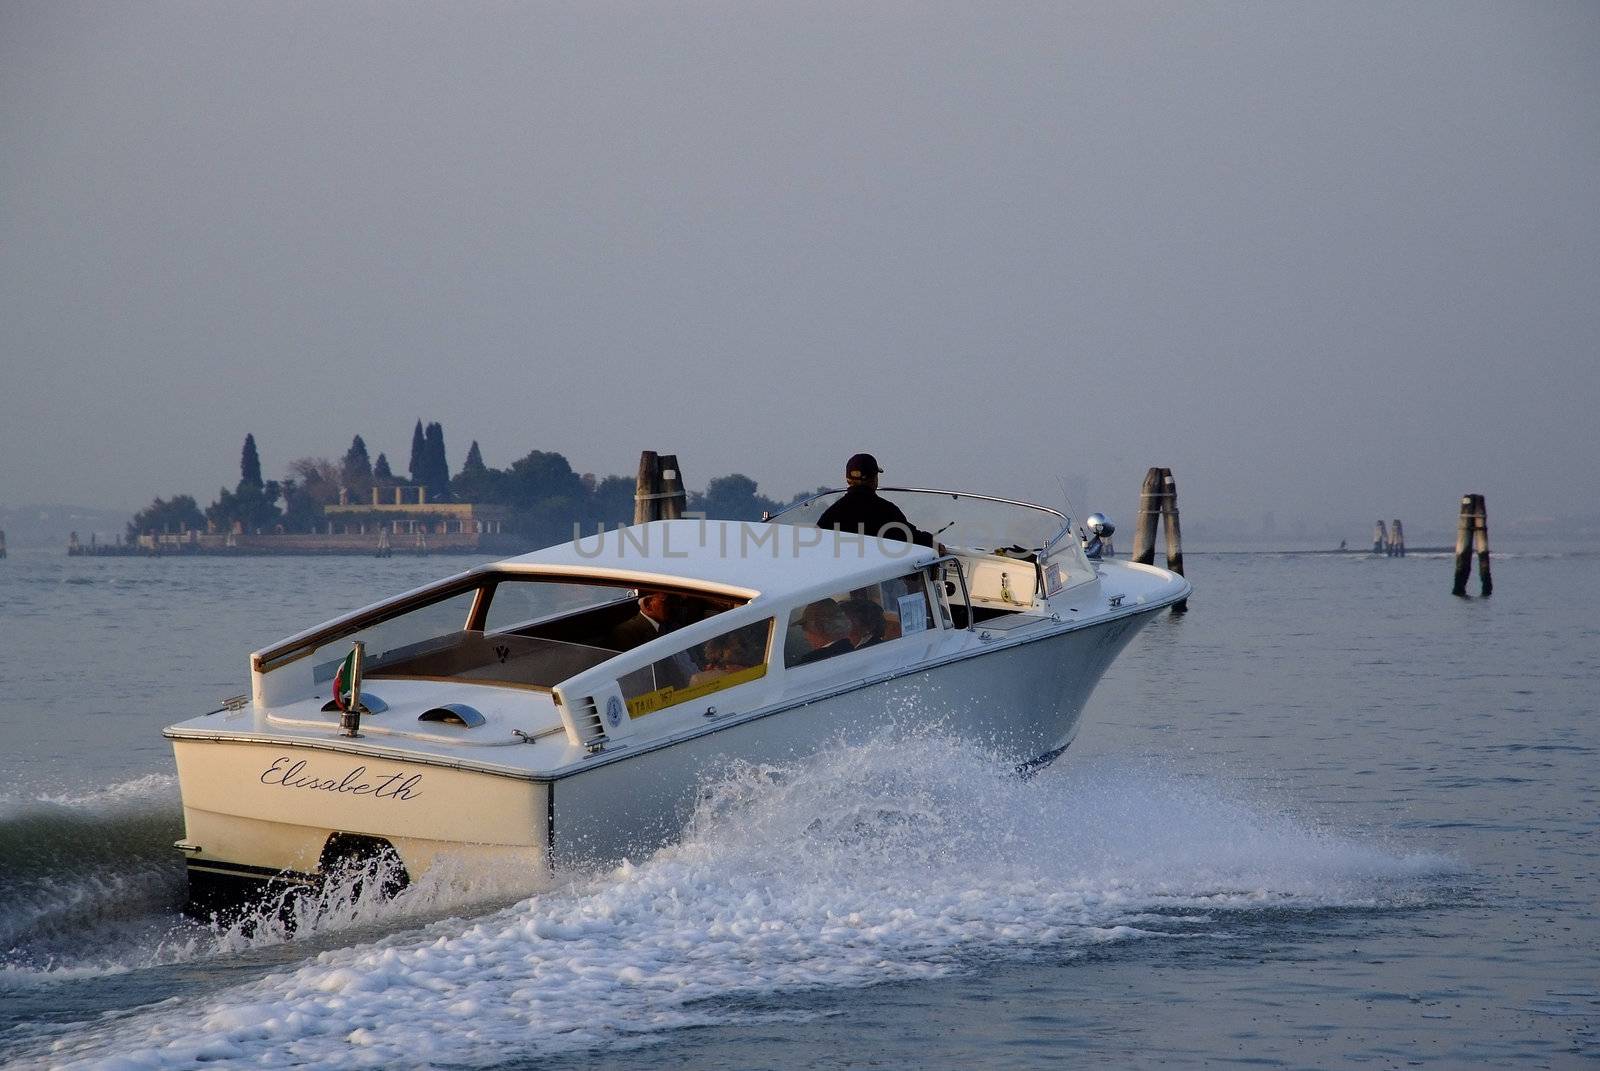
(745, 558)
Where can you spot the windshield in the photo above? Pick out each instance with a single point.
(514, 629)
(972, 522)
(505, 630)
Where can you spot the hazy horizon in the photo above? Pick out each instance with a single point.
(1328, 262)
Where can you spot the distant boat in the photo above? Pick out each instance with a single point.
(527, 714)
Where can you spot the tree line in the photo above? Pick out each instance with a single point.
(540, 490)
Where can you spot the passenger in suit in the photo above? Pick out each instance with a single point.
(659, 613)
(866, 621)
(827, 631)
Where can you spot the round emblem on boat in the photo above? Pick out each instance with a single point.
(614, 711)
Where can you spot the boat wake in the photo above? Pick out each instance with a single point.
(90, 885)
(908, 858)
(79, 871)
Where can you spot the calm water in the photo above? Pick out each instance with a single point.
(1331, 818)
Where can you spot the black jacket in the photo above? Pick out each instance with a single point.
(635, 631)
(863, 510)
(837, 647)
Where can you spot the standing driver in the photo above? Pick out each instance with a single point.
(863, 510)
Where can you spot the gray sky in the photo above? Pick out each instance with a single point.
(1339, 261)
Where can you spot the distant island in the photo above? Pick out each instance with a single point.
(360, 505)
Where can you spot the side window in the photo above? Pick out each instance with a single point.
(906, 600)
(721, 662)
(818, 630)
(854, 620)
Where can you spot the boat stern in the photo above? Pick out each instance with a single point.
(264, 816)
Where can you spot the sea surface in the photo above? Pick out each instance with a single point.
(1332, 817)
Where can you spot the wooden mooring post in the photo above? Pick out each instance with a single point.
(2, 542)
(1380, 539)
(1158, 499)
(675, 499)
(659, 494)
(1397, 540)
(647, 489)
(1472, 536)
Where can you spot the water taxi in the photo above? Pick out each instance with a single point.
(561, 709)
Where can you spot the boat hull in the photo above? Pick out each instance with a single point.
(1023, 702)
(262, 814)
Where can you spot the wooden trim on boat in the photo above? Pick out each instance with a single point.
(304, 644)
(292, 650)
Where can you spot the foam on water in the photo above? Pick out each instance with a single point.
(90, 885)
(80, 867)
(905, 859)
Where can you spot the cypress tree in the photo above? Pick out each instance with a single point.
(474, 463)
(437, 469)
(380, 470)
(250, 464)
(419, 452)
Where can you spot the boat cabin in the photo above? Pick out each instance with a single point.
(554, 646)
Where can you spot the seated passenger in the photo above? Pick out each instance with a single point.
(862, 509)
(726, 654)
(826, 628)
(795, 646)
(866, 622)
(715, 655)
(659, 613)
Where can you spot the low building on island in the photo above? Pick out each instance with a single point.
(410, 522)
(398, 520)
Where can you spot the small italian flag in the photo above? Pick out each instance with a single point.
(347, 682)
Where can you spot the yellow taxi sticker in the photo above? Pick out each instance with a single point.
(661, 698)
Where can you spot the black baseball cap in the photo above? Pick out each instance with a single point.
(860, 466)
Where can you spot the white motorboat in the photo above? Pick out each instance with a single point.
(526, 717)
